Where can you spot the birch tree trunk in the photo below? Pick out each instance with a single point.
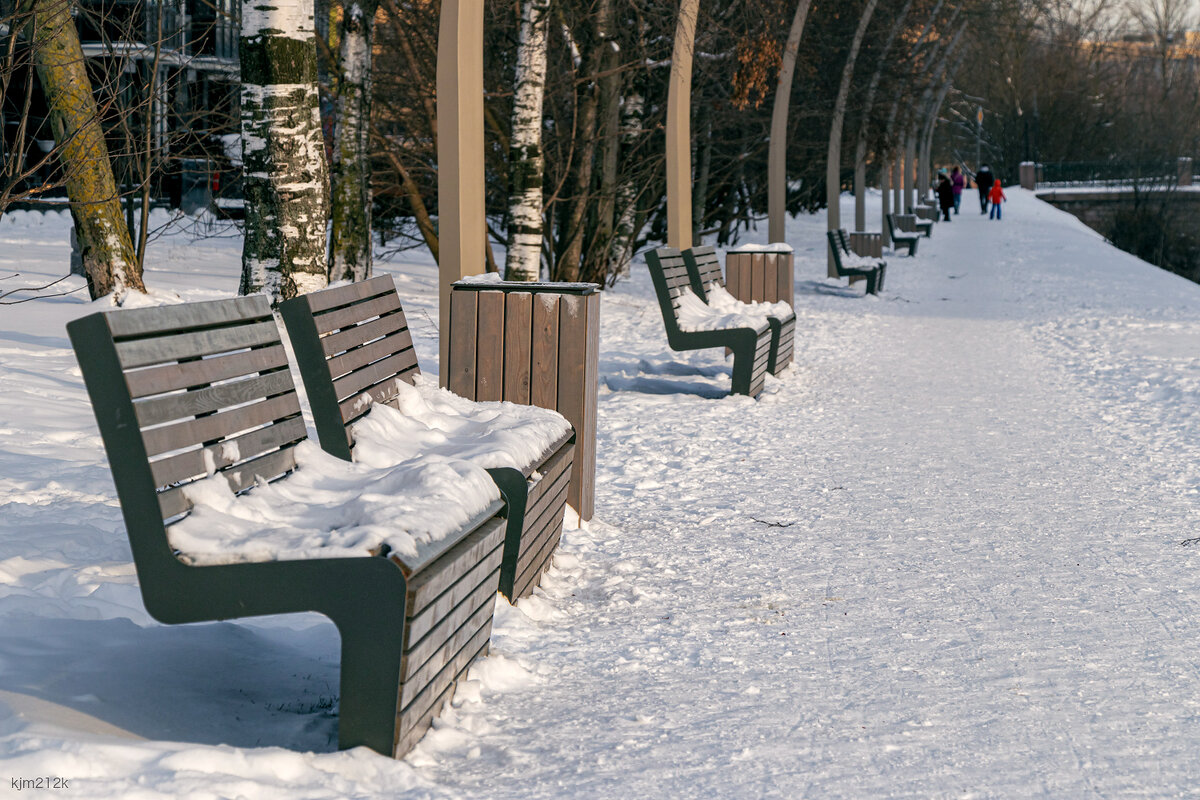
(350, 173)
(633, 108)
(526, 162)
(108, 257)
(283, 151)
(777, 149)
(833, 164)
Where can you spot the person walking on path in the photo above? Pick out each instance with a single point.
(983, 182)
(945, 195)
(996, 196)
(958, 182)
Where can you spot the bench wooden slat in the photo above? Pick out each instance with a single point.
(220, 425)
(489, 350)
(218, 456)
(146, 322)
(399, 343)
(415, 718)
(518, 344)
(348, 338)
(352, 385)
(463, 321)
(188, 374)
(543, 387)
(445, 663)
(424, 619)
(241, 476)
(339, 318)
(181, 405)
(475, 597)
(428, 584)
(145, 352)
(352, 293)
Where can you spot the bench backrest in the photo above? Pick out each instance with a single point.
(669, 272)
(835, 248)
(359, 337)
(207, 389)
(844, 240)
(704, 268)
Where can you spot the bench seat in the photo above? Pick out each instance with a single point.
(203, 431)
(355, 353)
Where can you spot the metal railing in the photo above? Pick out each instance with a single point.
(1108, 173)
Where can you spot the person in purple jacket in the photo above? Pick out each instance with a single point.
(957, 181)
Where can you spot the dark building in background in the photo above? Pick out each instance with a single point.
(166, 78)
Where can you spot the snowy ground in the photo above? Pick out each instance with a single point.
(945, 555)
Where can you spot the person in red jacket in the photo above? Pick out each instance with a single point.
(996, 195)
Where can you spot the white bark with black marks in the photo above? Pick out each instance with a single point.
(283, 152)
(350, 172)
(526, 164)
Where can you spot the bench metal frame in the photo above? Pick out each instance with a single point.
(751, 348)
(704, 269)
(172, 388)
(353, 341)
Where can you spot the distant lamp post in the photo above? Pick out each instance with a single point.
(978, 138)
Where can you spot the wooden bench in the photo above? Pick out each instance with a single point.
(186, 391)
(352, 341)
(901, 238)
(751, 347)
(874, 274)
(911, 223)
(704, 269)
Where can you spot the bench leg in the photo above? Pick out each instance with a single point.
(372, 648)
(872, 282)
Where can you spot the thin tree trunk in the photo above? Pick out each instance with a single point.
(597, 264)
(526, 162)
(777, 150)
(703, 170)
(585, 133)
(633, 107)
(860, 150)
(350, 173)
(107, 251)
(283, 152)
(833, 165)
(152, 103)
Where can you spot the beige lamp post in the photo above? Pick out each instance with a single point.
(679, 129)
(461, 225)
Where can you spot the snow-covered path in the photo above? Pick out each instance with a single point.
(942, 556)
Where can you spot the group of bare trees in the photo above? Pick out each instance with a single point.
(574, 115)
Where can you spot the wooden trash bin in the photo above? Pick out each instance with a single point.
(759, 274)
(867, 244)
(536, 344)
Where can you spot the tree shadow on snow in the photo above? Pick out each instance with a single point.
(207, 683)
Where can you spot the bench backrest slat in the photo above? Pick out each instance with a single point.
(675, 274)
(359, 334)
(242, 476)
(188, 374)
(208, 387)
(835, 248)
(708, 269)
